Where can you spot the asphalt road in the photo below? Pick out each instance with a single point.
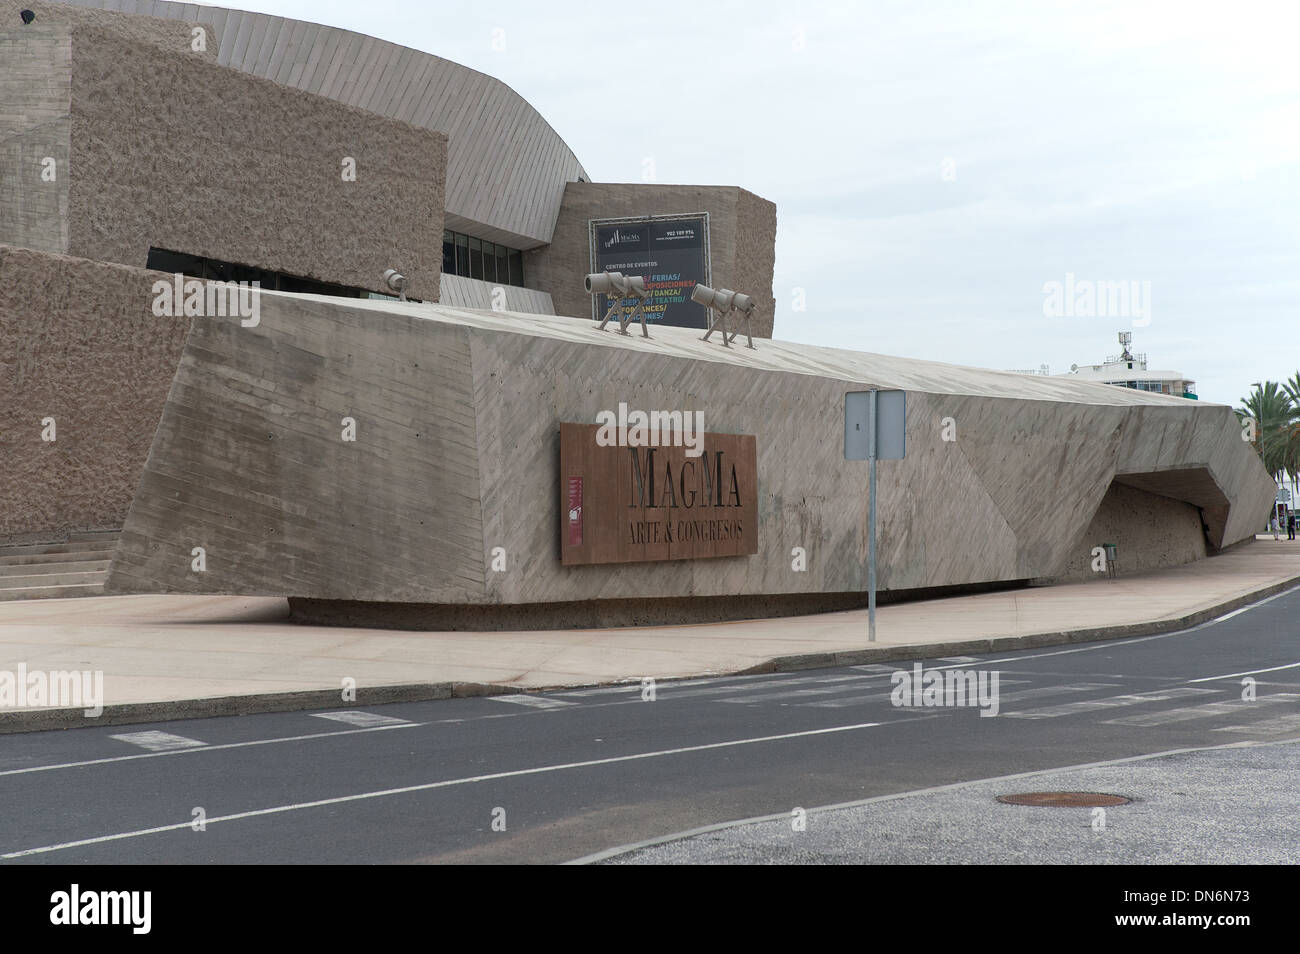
(573, 773)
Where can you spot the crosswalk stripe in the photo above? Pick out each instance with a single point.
(884, 693)
(535, 702)
(156, 741)
(839, 684)
(1207, 711)
(712, 687)
(1110, 702)
(1053, 690)
(359, 718)
(1286, 723)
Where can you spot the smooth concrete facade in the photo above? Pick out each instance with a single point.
(457, 416)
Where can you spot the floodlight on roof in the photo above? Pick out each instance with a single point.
(723, 301)
(616, 287)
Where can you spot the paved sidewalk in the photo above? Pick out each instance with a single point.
(166, 657)
(1205, 807)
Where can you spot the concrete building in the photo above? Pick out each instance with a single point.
(438, 462)
(1129, 370)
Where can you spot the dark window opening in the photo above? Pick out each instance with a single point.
(196, 266)
(486, 261)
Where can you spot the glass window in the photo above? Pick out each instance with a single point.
(462, 255)
(448, 253)
(516, 268)
(489, 262)
(165, 261)
(503, 265)
(476, 258)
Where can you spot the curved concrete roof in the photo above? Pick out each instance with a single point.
(506, 166)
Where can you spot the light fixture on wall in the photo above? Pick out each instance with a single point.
(396, 281)
(617, 286)
(723, 302)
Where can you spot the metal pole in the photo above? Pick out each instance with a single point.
(871, 521)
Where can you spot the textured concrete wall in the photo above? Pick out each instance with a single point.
(1006, 495)
(1151, 532)
(234, 167)
(79, 343)
(35, 97)
(506, 166)
(36, 102)
(742, 240)
(156, 31)
(167, 149)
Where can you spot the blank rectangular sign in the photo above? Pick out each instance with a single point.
(891, 425)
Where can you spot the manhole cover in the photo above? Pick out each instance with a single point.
(1065, 799)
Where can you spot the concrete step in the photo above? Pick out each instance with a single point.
(76, 565)
(55, 559)
(81, 546)
(94, 536)
(52, 592)
(29, 580)
(38, 569)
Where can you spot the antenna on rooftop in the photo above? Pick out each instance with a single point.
(1125, 338)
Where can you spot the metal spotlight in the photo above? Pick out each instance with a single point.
(616, 286)
(723, 302)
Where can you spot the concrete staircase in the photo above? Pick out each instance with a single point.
(76, 566)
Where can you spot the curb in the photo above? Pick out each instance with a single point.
(997, 644)
(35, 720)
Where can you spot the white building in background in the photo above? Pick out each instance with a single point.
(1129, 370)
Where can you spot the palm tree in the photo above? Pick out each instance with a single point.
(1276, 414)
(1291, 460)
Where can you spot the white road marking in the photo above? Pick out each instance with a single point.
(800, 693)
(429, 786)
(1110, 702)
(360, 718)
(1249, 672)
(1207, 711)
(205, 748)
(958, 659)
(784, 816)
(1232, 614)
(1024, 694)
(696, 688)
(884, 692)
(535, 702)
(1280, 724)
(156, 741)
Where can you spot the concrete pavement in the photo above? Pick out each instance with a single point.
(183, 656)
(1205, 807)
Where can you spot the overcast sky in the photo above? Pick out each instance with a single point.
(934, 165)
